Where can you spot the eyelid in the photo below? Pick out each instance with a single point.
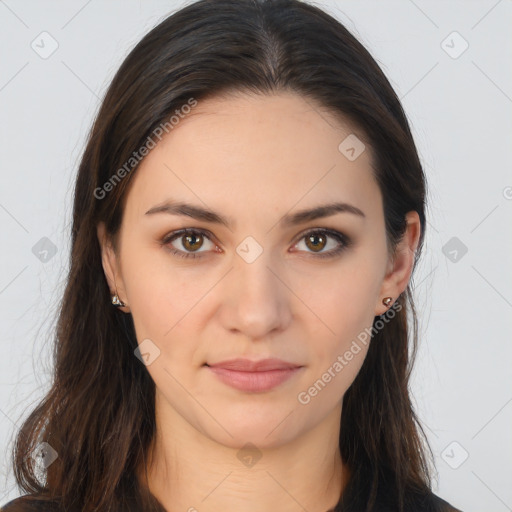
(340, 237)
(180, 233)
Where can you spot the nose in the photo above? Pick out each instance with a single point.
(255, 301)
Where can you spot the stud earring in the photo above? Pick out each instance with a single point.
(387, 301)
(116, 301)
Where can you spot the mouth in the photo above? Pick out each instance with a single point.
(246, 365)
(254, 376)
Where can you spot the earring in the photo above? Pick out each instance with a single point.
(387, 301)
(116, 301)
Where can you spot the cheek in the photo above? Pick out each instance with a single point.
(337, 357)
(160, 293)
(343, 301)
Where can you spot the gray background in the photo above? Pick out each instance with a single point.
(459, 104)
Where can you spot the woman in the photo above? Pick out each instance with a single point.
(248, 213)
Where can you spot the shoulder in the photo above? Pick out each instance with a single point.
(442, 505)
(29, 503)
(428, 502)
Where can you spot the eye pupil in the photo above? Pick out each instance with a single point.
(191, 240)
(316, 237)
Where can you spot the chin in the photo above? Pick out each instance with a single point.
(271, 430)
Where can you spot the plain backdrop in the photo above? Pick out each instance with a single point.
(450, 63)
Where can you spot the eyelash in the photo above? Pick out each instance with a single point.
(343, 239)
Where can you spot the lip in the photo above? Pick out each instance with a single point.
(246, 365)
(254, 376)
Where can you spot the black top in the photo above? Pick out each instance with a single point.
(33, 504)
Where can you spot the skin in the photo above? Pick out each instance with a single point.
(253, 159)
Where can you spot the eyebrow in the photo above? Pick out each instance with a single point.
(199, 213)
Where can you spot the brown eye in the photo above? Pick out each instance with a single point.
(187, 242)
(192, 242)
(319, 239)
(316, 241)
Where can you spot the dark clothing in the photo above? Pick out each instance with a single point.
(22, 504)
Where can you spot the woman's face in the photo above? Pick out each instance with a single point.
(267, 283)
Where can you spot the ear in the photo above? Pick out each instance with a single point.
(400, 266)
(111, 266)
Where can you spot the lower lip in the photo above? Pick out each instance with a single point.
(254, 381)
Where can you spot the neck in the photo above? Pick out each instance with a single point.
(189, 471)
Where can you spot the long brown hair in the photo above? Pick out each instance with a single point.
(99, 414)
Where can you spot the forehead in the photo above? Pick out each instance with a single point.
(255, 153)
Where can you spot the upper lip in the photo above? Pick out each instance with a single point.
(246, 365)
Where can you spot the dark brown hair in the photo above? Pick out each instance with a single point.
(99, 414)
